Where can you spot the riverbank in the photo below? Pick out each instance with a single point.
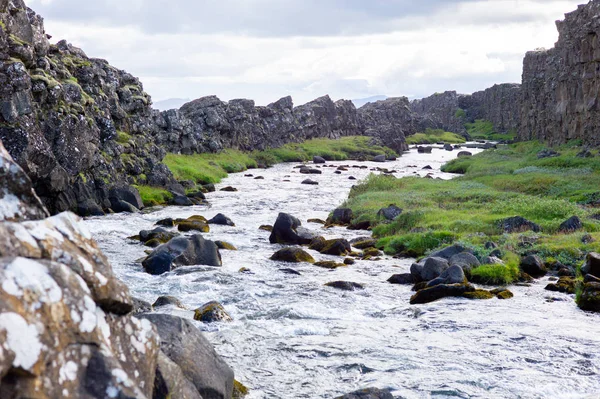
(545, 187)
(211, 168)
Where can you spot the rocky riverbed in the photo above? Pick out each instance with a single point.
(293, 337)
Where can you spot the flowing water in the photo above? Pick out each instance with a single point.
(292, 337)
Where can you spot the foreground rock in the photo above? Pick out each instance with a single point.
(440, 291)
(292, 255)
(185, 346)
(182, 251)
(211, 312)
(288, 230)
(368, 393)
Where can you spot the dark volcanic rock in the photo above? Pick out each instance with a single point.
(182, 251)
(390, 121)
(440, 291)
(221, 219)
(345, 285)
(211, 312)
(368, 393)
(390, 213)
(533, 266)
(571, 225)
(292, 255)
(518, 224)
(402, 279)
(288, 230)
(185, 346)
(592, 265)
(341, 216)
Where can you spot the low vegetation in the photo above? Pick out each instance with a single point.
(484, 130)
(152, 196)
(497, 184)
(432, 136)
(211, 168)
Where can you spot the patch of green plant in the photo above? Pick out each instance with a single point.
(208, 168)
(122, 137)
(498, 274)
(496, 184)
(460, 113)
(153, 196)
(432, 136)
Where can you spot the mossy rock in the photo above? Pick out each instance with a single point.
(211, 312)
(365, 244)
(566, 285)
(197, 218)
(317, 221)
(266, 227)
(193, 225)
(506, 294)
(153, 243)
(292, 255)
(478, 294)
(349, 261)
(590, 297)
(317, 244)
(239, 390)
(329, 264)
(337, 247)
(225, 245)
(371, 252)
(229, 189)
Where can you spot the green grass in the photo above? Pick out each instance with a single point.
(432, 136)
(483, 129)
(211, 168)
(152, 196)
(498, 274)
(496, 184)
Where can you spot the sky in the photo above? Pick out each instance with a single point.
(268, 49)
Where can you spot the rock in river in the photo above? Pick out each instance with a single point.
(288, 230)
(182, 251)
(292, 255)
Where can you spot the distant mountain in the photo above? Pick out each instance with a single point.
(362, 101)
(171, 103)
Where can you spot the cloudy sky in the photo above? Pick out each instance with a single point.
(267, 49)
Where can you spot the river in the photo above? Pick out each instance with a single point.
(293, 337)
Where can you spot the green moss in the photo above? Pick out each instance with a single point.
(498, 274)
(83, 178)
(16, 40)
(432, 136)
(484, 130)
(239, 390)
(460, 113)
(152, 196)
(478, 294)
(122, 137)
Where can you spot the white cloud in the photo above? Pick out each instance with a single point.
(464, 46)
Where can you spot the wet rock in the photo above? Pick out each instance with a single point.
(351, 178)
(210, 188)
(463, 154)
(478, 294)
(533, 266)
(168, 301)
(290, 271)
(329, 264)
(310, 182)
(502, 293)
(492, 260)
(448, 147)
(211, 312)
(453, 275)
(229, 189)
(126, 193)
(159, 234)
(140, 306)
(292, 255)
(120, 206)
(403, 279)
(193, 225)
(225, 245)
(89, 207)
(427, 167)
(319, 160)
(364, 243)
(197, 195)
(181, 200)
(365, 225)
(288, 230)
(566, 285)
(317, 221)
(591, 265)
(440, 291)
(266, 227)
(222, 220)
(368, 393)
(168, 222)
(372, 252)
(590, 297)
(317, 244)
(349, 261)
(341, 217)
(337, 247)
(379, 158)
(389, 213)
(170, 382)
(345, 285)
(518, 224)
(182, 251)
(429, 268)
(185, 345)
(259, 178)
(424, 150)
(310, 171)
(571, 225)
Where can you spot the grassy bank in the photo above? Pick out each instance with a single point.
(212, 168)
(432, 136)
(484, 130)
(496, 184)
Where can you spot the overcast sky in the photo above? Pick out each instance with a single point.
(267, 49)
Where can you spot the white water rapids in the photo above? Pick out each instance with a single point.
(292, 337)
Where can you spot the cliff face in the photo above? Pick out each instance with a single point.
(439, 111)
(559, 100)
(450, 111)
(390, 121)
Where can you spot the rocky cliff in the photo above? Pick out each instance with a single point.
(559, 99)
(450, 111)
(66, 324)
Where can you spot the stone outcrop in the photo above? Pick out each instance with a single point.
(499, 104)
(389, 121)
(450, 111)
(559, 100)
(66, 324)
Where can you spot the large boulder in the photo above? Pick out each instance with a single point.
(450, 251)
(337, 247)
(319, 160)
(187, 347)
(292, 255)
(127, 194)
(592, 264)
(221, 219)
(436, 292)
(170, 382)
(182, 251)
(453, 275)
(389, 213)
(429, 268)
(465, 260)
(571, 225)
(368, 393)
(288, 230)
(211, 312)
(533, 266)
(341, 217)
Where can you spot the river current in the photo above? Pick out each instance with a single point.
(293, 337)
